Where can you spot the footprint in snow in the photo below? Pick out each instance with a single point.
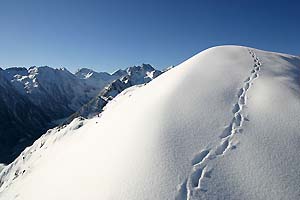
(227, 131)
(196, 177)
(254, 76)
(236, 108)
(238, 120)
(222, 148)
(241, 91)
(247, 80)
(242, 100)
(247, 85)
(182, 191)
(200, 157)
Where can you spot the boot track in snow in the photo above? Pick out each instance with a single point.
(203, 162)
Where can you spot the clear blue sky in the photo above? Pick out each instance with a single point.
(106, 35)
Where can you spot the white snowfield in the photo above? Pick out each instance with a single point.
(225, 124)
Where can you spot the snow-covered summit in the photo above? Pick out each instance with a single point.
(85, 73)
(142, 74)
(221, 125)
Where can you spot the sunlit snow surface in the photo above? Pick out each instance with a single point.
(222, 125)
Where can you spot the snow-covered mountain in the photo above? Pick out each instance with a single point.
(92, 78)
(135, 75)
(57, 91)
(21, 120)
(36, 99)
(31, 99)
(222, 125)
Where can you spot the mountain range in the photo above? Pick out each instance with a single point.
(38, 98)
(135, 75)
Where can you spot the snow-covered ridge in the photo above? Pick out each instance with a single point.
(38, 98)
(222, 125)
(23, 164)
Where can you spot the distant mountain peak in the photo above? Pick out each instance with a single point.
(144, 67)
(84, 73)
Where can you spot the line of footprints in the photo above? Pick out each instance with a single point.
(202, 162)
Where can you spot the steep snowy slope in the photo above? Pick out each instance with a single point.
(222, 125)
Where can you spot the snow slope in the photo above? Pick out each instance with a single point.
(222, 125)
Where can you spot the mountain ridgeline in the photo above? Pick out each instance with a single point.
(135, 75)
(38, 98)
